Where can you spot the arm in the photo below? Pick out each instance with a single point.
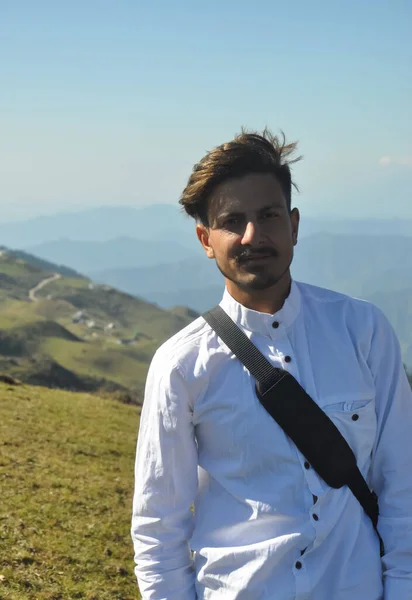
(392, 460)
(165, 488)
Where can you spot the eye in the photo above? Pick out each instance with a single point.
(231, 222)
(270, 214)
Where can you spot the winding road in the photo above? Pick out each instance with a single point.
(39, 286)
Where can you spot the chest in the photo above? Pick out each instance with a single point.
(230, 420)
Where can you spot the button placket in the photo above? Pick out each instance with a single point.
(312, 481)
(284, 353)
(301, 579)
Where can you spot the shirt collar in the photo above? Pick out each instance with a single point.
(264, 323)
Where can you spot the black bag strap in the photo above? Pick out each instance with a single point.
(312, 431)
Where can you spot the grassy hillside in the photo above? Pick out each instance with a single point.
(66, 466)
(74, 334)
(17, 277)
(104, 304)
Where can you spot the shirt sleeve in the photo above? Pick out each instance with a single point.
(165, 488)
(392, 459)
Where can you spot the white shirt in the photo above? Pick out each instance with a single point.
(265, 526)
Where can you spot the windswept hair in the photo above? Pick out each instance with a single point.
(248, 153)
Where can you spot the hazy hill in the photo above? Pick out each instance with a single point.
(117, 253)
(356, 265)
(160, 222)
(66, 466)
(74, 334)
(375, 227)
(397, 306)
(175, 279)
(378, 268)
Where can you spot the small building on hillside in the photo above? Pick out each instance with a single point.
(79, 317)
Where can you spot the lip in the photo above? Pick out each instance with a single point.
(257, 258)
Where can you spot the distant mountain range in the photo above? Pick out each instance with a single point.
(358, 265)
(122, 252)
(153, 253)
(160, 222)
(98, 224)
(378, 268)
(355, 265)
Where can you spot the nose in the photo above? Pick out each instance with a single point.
(251, 234)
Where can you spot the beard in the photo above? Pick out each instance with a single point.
(258, 279)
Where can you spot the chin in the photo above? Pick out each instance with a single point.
(258, 283)
(250, 281)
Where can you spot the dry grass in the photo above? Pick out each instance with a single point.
(66, 471)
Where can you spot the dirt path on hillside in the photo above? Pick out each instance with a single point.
(39, 286)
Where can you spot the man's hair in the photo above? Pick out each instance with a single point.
(248, 153)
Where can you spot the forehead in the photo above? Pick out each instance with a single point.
(247, 194)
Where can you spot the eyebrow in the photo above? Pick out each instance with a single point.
(270, 206)
(226, 214)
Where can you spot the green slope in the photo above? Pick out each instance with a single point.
(66, 466)
(17, 277)
(105, 304)
(76, 335)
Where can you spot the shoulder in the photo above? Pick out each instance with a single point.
(313, 294)
(181, 351)
(355, 313)
(184, 364)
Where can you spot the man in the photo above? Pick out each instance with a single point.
(265, 526)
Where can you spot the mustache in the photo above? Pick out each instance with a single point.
(248, 253)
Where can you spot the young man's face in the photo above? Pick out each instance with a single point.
(251, 232)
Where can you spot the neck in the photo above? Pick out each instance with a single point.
(267, 301)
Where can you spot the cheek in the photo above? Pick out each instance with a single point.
(283, 236)
(224, 247)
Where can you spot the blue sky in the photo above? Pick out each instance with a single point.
(108, 102)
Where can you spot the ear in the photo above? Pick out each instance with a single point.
(295, 219)
(203, 234)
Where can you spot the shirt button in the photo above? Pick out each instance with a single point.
(315, 517)
(298, 564)
(275, 324)
(287, 359)
(306, 465)
(355, 417)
